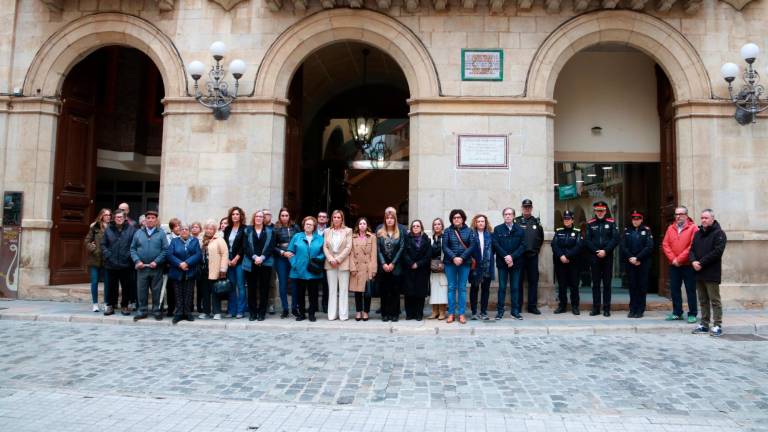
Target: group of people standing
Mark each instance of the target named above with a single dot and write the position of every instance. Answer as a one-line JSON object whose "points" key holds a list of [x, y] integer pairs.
{"points": [[236, 260]]}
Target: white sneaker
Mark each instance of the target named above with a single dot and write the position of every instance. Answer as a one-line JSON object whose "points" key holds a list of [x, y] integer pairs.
{"points": [[96, 307], [239, 316], [217, 316], [202, 316]]}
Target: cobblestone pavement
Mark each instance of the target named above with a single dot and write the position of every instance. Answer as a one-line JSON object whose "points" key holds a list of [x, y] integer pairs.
{"points": [[76, 376]]}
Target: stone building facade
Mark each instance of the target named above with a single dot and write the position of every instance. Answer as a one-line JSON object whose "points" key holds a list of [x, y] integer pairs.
{"points": [[718, 163]]}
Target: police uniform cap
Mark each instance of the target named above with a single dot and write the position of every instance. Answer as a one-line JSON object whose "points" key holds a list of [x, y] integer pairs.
{"points": [[600, 205], [527, 203], [567, 214], [636, 214]]}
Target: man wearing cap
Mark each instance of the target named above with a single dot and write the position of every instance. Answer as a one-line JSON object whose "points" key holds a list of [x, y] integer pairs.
{"points": [[566, 247], [600, 240], [636, 249], [148, 250], [534, 238]]}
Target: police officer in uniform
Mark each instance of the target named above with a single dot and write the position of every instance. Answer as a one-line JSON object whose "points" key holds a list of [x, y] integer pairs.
{"points": [[601, 239], [636, 250], [566, 247], [534, 238]]}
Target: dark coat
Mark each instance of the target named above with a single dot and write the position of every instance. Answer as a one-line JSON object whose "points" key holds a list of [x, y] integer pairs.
{"points": [[602, 234], [638, 243], [416, 280], [453, 248], [236, 247], [437, 247], [534, 234], [707, 248], [178, 254], [508, 242], [93, 245], [484, 258], [250, 247], [567, 241], [116, 246], [396, 257]]}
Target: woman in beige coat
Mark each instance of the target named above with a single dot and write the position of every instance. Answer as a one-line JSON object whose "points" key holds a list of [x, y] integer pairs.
{"points": [[362, 267], [214, 264], [337, 244]]}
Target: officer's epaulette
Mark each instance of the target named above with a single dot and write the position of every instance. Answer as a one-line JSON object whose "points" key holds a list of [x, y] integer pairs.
{"points": [[609, 220], [560, 229], [577, 229], [591, 220]]}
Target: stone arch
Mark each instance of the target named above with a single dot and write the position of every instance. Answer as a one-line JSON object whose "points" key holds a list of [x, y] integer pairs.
{"points": [[65, 48], [660, 41], [326, 27]]}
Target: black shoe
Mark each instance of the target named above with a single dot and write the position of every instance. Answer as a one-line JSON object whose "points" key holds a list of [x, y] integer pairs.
{"points": [[639, 315], [190, 317], [358, 318], [575, 310], [169, 314], [594, 312], [260, 317], [517, 316], [176, 319], [631, 315], [312, 317], [534, 310], [159, 316], [284, 315], [385, 318], [560, 309], [301, 318], [606, 313], [252, 317], [499, 317], [109, 311], [394, 318], [140, 317]]}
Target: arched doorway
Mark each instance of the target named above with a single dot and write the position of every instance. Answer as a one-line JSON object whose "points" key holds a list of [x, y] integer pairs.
{"points": [[332, 84], [108, 146]]}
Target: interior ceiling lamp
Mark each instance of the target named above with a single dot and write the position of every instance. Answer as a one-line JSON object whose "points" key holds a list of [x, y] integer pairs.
{"points": [[748, 100], [218, 97], [362, 125]]}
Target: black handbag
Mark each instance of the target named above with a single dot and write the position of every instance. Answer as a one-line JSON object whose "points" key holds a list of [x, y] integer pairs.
{"points": [[314, 265], [222, 286]]}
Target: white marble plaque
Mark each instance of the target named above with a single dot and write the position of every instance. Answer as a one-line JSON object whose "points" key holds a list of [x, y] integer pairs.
{"points": [[482, 151]]}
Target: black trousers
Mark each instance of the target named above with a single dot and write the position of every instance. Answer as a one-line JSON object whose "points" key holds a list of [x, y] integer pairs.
{"points": [[567, 280], [170, 294], [117, 279], [198, 298], [304, 287], [602, 273], [414, 307], [389, 288], [484, 288], [638, 286], [362, 302], [529, 273], [324, 287], [259, 281], [204, 294], [184, 293]]}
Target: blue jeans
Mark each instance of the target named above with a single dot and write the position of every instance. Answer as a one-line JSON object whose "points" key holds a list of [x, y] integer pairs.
{"points": [[283, 269], [237, 300], [95, 272], [457, 283], [677, 277], [513, 277]]}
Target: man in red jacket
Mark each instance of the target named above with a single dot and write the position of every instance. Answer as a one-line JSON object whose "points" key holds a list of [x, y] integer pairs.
{"points": [[677, 245]]}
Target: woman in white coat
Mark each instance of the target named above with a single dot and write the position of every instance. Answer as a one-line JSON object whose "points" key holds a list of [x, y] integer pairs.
{"points": [[337, 244]]}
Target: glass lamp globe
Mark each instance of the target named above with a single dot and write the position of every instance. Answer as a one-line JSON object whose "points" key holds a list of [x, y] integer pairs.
{"points": [[196, 69], [729, 71], [237, 68], [218, 50], [749, 52]]}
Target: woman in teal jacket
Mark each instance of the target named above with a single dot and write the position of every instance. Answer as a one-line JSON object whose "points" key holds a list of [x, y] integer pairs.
{"points": [[307, 266]]}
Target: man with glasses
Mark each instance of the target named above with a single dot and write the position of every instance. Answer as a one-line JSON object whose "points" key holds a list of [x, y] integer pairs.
{"points": [[601, 239], [677, 246]]}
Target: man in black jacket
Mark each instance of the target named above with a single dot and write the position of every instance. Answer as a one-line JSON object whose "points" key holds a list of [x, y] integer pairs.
{"points": [[636, 250], [566, 247], [600, 240], [116, 252], [706, 257], [534, 238]]}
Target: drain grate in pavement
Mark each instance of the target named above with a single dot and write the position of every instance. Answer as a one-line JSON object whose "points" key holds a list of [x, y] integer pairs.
{"points": [[744, 337]]}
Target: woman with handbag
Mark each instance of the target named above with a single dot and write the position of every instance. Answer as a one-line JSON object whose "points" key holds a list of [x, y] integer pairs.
{"points": [[481, 277], [216, 263], [438, 284], [307, 266], [459, 244], [416, 270], [337, 246], [362, 267], [95, 263], [391, 242]]}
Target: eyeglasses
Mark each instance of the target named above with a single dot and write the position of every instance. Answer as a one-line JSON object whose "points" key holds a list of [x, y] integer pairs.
{"points": [[681, 214]]}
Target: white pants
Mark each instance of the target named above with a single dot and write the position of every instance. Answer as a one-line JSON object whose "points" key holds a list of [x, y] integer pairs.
{"points": [[338, 294]]}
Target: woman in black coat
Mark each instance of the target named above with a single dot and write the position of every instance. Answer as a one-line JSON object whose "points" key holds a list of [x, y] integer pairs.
{"points": [[416, 258]]}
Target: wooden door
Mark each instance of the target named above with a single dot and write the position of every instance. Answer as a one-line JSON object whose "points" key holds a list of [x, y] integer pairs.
{"points": [[74, 174], [665, 100]]}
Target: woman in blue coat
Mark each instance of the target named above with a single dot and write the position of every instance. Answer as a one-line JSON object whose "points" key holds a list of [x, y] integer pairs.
{"points": [[307, 262], [481, 277], [459, 244], [184, 255]]}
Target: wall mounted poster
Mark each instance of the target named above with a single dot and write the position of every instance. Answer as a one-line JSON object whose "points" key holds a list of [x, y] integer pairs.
{"points": [[482, 151], [482, 65]]}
